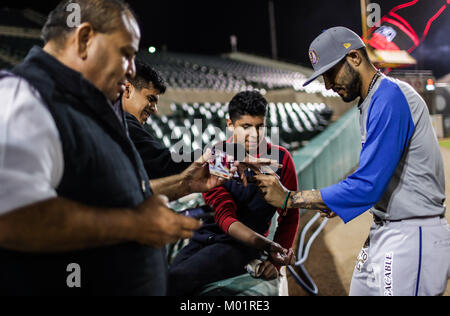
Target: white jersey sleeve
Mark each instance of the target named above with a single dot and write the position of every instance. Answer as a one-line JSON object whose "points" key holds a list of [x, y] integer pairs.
{"points": [[31, 157]]}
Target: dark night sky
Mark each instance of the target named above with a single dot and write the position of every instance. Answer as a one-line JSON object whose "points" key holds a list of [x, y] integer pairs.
{"points": [[205, 26]]}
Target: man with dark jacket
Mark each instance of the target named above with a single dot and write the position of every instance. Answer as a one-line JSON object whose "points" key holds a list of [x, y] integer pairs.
{"points": [[167, 177], [77, 215], [140, 101]]}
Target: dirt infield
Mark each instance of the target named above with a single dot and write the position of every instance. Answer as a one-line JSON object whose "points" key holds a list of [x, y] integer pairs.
{"points": [[332, 256]]}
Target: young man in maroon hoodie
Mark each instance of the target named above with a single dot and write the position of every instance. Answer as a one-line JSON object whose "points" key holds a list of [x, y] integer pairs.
{"points": [[238, 234]]}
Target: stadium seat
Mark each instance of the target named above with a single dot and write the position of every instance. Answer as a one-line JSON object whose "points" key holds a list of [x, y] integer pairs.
{"points": [[288, 124], [197, 72]]}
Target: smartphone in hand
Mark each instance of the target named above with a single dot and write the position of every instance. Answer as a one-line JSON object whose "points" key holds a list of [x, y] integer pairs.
{"points": [[202, 212]]}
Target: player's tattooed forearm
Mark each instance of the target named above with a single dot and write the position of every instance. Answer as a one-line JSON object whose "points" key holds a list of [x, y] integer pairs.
{"points": [[296, 199], [311, 200]]}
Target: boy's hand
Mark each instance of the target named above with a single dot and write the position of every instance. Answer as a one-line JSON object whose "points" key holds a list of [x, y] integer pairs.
{"points": [[280, 256], [267, 271]]}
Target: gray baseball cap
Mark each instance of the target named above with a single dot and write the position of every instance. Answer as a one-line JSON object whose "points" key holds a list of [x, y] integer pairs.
{"points": [[331, 47]]}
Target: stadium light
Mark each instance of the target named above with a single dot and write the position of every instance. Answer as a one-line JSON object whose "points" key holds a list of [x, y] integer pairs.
{"points": [[152, 49]]}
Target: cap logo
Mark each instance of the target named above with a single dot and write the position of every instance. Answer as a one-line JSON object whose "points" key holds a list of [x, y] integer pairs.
{"points": [[347, 45], [314, 57]]}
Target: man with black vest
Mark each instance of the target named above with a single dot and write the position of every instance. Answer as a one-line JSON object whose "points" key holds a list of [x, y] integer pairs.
{"points": [[74, 191]]}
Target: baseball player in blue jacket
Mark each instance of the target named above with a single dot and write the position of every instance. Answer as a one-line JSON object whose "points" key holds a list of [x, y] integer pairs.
{"points": [[400, 178]]}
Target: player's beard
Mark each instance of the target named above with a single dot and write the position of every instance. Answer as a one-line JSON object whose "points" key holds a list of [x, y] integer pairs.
{"points": [[353, 87]]}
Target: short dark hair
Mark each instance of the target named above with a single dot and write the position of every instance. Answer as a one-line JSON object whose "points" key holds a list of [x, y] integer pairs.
{"points": [[105, 16], [247, 103], [146, 74]]}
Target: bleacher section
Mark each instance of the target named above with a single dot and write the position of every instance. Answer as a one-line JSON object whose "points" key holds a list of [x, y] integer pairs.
{"points": [[17, 47], [291, 121], [201, 72], [25, 19], [19, 31], [5, 64], [199, 124]]}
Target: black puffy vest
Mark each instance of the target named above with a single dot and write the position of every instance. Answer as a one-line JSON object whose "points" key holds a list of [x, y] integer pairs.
{"points": [[101, 169]]}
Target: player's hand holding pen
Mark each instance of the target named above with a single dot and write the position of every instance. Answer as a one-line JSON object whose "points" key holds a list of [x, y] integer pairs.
{"points": [[271, 188], [259, 166], [277, 195]]}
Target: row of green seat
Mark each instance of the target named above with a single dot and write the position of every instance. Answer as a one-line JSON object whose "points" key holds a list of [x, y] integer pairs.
{"points": [[219, 73], [198, 124]]}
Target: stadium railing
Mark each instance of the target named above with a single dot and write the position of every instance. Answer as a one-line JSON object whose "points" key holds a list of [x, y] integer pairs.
{"points": [[327, 159]]}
